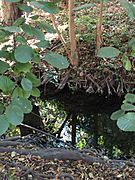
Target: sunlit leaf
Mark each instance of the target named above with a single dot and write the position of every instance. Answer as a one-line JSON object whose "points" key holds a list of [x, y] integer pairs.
{"points": [[127, 122], [108, 52]]}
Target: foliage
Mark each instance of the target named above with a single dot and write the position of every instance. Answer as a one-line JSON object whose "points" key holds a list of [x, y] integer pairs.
{"points": [[18, 83], [126, 115]]}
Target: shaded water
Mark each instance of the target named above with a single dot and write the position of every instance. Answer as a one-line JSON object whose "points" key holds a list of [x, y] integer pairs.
{"points": [[91, 113]]}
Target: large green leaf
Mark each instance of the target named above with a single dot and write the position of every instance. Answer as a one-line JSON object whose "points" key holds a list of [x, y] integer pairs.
{"points": [[19, 21], [14, 114], [46, 6], [129, 7], [19, 92], [11, 29], [23, 53], [32, 31], [3, 67], [26, 84], [6, 84], [23, 103], [128, 107], [4, 124], [35, 92], [130, 98], [117, 114], [46, 26], [56, 60], [23, 67], [33, 78], [25, 8], [108, 52], [127, 122], [126, 62], [42, 44]]}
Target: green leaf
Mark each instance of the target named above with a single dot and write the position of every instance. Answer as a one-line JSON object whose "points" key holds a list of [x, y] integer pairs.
{"points": [[3, 35], [4, 54], [6, 85], [35, 81], [26, 84], [108, 52], [130, 98], [127, 122], [23, 67], [126, 62], [19, 92], [35, 92], [36, 58], [129, 7], [32, 31], [19, 21], [117, 114], [14, 114], [23, 53], [21, 39], [3, 67], [46, 6], [56, 60], [23, 103], [128, 107], [2, 108], [47, 27], [11, 29], [128, 65], [4, 124], [25, 8], [43, 44]]}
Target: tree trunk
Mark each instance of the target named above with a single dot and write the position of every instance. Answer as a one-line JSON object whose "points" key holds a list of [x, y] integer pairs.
{"points": [[9, 12]]}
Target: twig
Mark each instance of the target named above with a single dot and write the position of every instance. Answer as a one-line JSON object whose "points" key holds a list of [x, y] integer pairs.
{"points": [[48, 134]]}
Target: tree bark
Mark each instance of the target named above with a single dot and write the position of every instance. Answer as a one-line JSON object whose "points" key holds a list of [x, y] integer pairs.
{"points": [[9, 12]]}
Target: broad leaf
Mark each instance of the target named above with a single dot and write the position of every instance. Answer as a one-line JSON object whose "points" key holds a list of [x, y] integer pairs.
{"points": [[3, 67], [32, 77], [6, 84], [4, 124], [19, 92], [23, 53], [117, 114], [14, 114], [128, 107], [23, 103], [130, 98], [32, 31], [57, 60], [11, 29], [23, 67], [129, 7], [35, 92], [46, 6], [127, 122], [26, 84], [108, 52]]}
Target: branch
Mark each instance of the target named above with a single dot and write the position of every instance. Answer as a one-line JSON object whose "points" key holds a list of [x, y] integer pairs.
{"points": [[73, 48]]}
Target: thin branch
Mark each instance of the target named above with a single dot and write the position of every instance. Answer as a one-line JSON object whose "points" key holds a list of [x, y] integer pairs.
{"points": [[73, 48], [48, 134], [99, 28]]}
